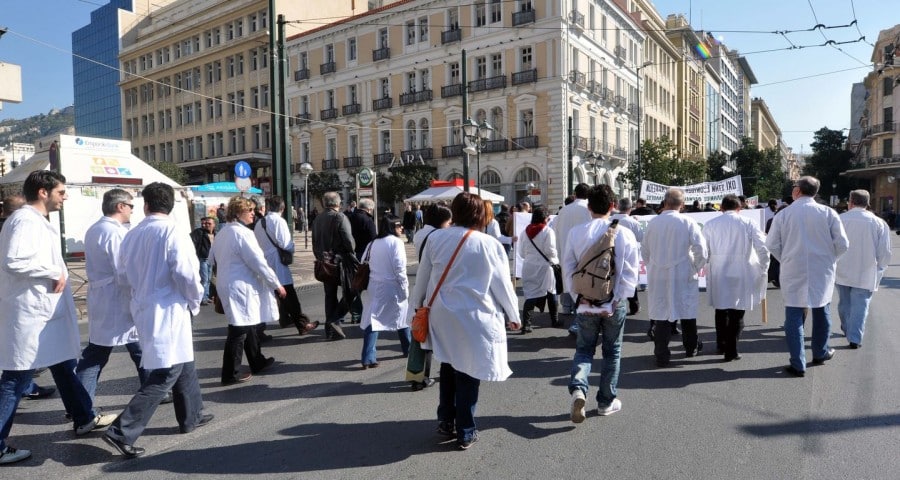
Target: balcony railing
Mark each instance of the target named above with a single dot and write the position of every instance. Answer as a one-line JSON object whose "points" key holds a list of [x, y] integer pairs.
{"points": [[608, 95], [525, 76], [327, 67], [384, 158], [876, 129], [621, 102], [351, 109], [425, 153], [302, 74], [350, 162], [620, 52], [415, 97], [490, 83], [330, 164], [634, 110], [576, 77], [576, 18], [490, 146], [594, 87], [581, 143], [382, 103], [525, 142], [452, 151], [328, 114], [524, 17], [450, 36], [875, 161], [454, 90], [302, 118], [620, 152], [382, 53]]}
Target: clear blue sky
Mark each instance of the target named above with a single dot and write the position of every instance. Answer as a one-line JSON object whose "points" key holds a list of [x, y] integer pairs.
{"points": [[797, 84]]}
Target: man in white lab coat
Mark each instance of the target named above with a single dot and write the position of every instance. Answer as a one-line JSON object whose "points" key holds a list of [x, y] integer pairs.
{"points": [[736, 273], [626, 220], [159, 267], [674, 251], [110, 324], [807, 238], [570, 216], [39, 325], [859, 271]]}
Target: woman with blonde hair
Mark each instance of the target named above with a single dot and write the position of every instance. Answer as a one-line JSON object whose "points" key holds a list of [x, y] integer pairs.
{"points": [[245, 283]]}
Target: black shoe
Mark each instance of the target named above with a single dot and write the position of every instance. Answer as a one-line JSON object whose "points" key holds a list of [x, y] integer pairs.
{"points": [[242, 378], [446, 429], [269, 362], [633, 306], [854, 346], [650, 333], [125, 449], [465, 444], [661, 364], [527, 329], [304, 329], [264, 337], [167, 399], [731, 359], [204, 419], [337, 333], [828, 356], [40, 392], [793, 371]]}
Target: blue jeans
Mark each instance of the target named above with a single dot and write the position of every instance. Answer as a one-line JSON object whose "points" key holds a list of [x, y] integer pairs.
{"points": [[794, 318], [205, 274], [590, 330], [94, 358], [458, 399], [853, 308], [370, 338]]}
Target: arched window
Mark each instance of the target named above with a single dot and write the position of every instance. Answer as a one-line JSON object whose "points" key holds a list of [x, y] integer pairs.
{"points": [[453, 176], [411, 135], [424, 134], [525, 177], [490, 181]]}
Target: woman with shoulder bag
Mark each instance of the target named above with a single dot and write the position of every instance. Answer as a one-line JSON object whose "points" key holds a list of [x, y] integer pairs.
{"points": [[388, 289], [538, 280]]}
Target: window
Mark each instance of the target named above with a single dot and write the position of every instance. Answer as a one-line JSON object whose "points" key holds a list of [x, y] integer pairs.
{"points": [[304, 152], [210, 108], [496, 11], [240, 101], [304, 60], [887, 148], [331, 149], [239, 27], [264, 96], [329, 99], [497, 64], [304, 104], [229, 32], [266, 136], [239, 63], [217, 70], [525, 57], [410, 32], [411, 82], [329, 53], [253, 21], [411, 135], [423, 29], [888, 85], [424, 135], [353, 146], [232, 106], [229, 70], [385, 141], [383, 38], [454, 73], [453, 19], [480, 68], [351, 49], [497, 123], [385, 87], [480, 15], [455, 132], [351, 95]]}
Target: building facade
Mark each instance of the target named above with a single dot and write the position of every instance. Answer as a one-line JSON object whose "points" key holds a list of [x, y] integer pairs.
{"points": [[764, 132]]}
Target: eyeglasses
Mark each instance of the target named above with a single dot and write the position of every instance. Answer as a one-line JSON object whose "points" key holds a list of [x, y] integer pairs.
{"points": [[397, 225], [128, 205]]}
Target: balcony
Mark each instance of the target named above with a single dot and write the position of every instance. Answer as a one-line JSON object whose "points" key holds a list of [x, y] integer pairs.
{"points": [[382, 103], [328, 114], [330, 164], [382, 53], [876, 161], [620, 152], [452, 151], [454, 90], [302, 74], [351, 109], [634, 110], [415, 97], [351, 162], [620, 103], [450, 36], [490, 83], [302, 118], [491, 146], [525, 76], [576, 18], [384, 158], [620, 52], [880, 128], [423, 153], [521, 143], [327, 67], [581, 143], [594, 87], [523, 17], [608, 95]]}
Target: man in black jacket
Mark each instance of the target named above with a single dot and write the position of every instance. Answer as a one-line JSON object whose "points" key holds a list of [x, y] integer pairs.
{"points": [[203, 238], [332, 234], [362, 226]]}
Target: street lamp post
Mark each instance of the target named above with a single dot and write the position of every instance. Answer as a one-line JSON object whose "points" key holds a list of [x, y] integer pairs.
{"points": [[640, 114], [476, 135], [305, 170]]}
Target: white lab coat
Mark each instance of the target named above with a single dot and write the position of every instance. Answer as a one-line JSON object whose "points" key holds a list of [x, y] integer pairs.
{"points": [[108, 303], [631, 224], [674, 251], [736, 275], [467, 327], [419, 238], [869, 253], [493, 229], [537, 276], [807, 238], [570, 216], [244, 281], [279, 231], [386, 306], [627, 255], [38, 328], [160, 267]]}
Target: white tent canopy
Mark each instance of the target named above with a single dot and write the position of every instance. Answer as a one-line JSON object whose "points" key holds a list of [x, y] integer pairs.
{"points": [[447, 191]]}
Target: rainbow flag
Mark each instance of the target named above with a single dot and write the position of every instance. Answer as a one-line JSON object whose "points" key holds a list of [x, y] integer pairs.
{"points": [[702, 50]]}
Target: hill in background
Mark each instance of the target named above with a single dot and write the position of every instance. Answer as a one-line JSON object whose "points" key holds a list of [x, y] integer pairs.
{"points": [[32, 128]]}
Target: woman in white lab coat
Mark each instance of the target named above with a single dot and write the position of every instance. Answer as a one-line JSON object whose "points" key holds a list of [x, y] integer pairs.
{"points": [[466, 327], [244, 282], [538, 283], [386, 306]]}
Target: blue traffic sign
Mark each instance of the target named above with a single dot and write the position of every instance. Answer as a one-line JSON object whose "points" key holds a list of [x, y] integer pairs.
{"points": [[242, 169]]}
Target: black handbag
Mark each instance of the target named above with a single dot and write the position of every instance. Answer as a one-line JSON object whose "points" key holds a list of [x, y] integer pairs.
{"points": [[286, 257], [555, 267]]}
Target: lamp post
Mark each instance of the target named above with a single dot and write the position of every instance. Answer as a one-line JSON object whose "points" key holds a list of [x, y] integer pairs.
{"points": [[640, 114], [305, 170], [476, 134]]}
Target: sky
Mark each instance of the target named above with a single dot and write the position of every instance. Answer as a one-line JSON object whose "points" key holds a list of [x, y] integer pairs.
{"points": [[805, 88]]}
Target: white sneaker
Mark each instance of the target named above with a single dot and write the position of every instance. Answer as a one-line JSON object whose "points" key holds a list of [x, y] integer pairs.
{"points": [[100, 421], [11, 455], [613, 407], [577, 406]]}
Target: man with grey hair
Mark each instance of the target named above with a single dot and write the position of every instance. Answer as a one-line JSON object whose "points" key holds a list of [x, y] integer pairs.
{"points": [[332, 237], [807, 238], [626, 220], [859, 271], [674, 251]]}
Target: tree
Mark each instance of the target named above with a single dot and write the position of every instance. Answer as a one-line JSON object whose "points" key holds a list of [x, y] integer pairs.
{"points": [[170, 170], [827, 162], [404, 181], [760, 170], [321, 182], [714, 167], [662, 163]]}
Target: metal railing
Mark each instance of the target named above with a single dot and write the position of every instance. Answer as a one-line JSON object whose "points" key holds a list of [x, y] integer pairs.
{"points": [[302, 74], [523, 17], [330, 164], [327, 67], [576, 77], [576, 18], [384, 158], [382, 103], [425, 153], [383, 53], [450, 36], [415, 97], [302, 118], [454, 90], [490, 83], [451, 151], [328, 114], [351, 109], [350, 162], [501, 145], [525, 76], [520, 143]]}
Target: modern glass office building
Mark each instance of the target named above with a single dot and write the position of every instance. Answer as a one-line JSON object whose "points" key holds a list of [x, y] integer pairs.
{"points": [[95, 72]]}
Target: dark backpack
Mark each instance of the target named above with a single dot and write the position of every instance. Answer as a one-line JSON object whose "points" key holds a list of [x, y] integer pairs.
{"points": [[595, 274]]}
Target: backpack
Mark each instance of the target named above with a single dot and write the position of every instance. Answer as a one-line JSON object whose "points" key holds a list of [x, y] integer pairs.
{"points": [[595, 274]]}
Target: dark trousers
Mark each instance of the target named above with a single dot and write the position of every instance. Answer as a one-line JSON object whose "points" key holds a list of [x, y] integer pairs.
{"points": [[729, 325], [662, 333], [94, 357], [458, 399], [531, 303], [332, 305], [289, 309], [181, 379], [241, 340]]}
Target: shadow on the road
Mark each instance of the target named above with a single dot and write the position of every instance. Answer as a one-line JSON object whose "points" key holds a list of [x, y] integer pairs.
{"points": [[823, 426], [396, 441], [889, 282]]}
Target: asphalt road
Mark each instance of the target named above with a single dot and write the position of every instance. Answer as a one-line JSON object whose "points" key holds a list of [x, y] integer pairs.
{"points": [[317, 415]]}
